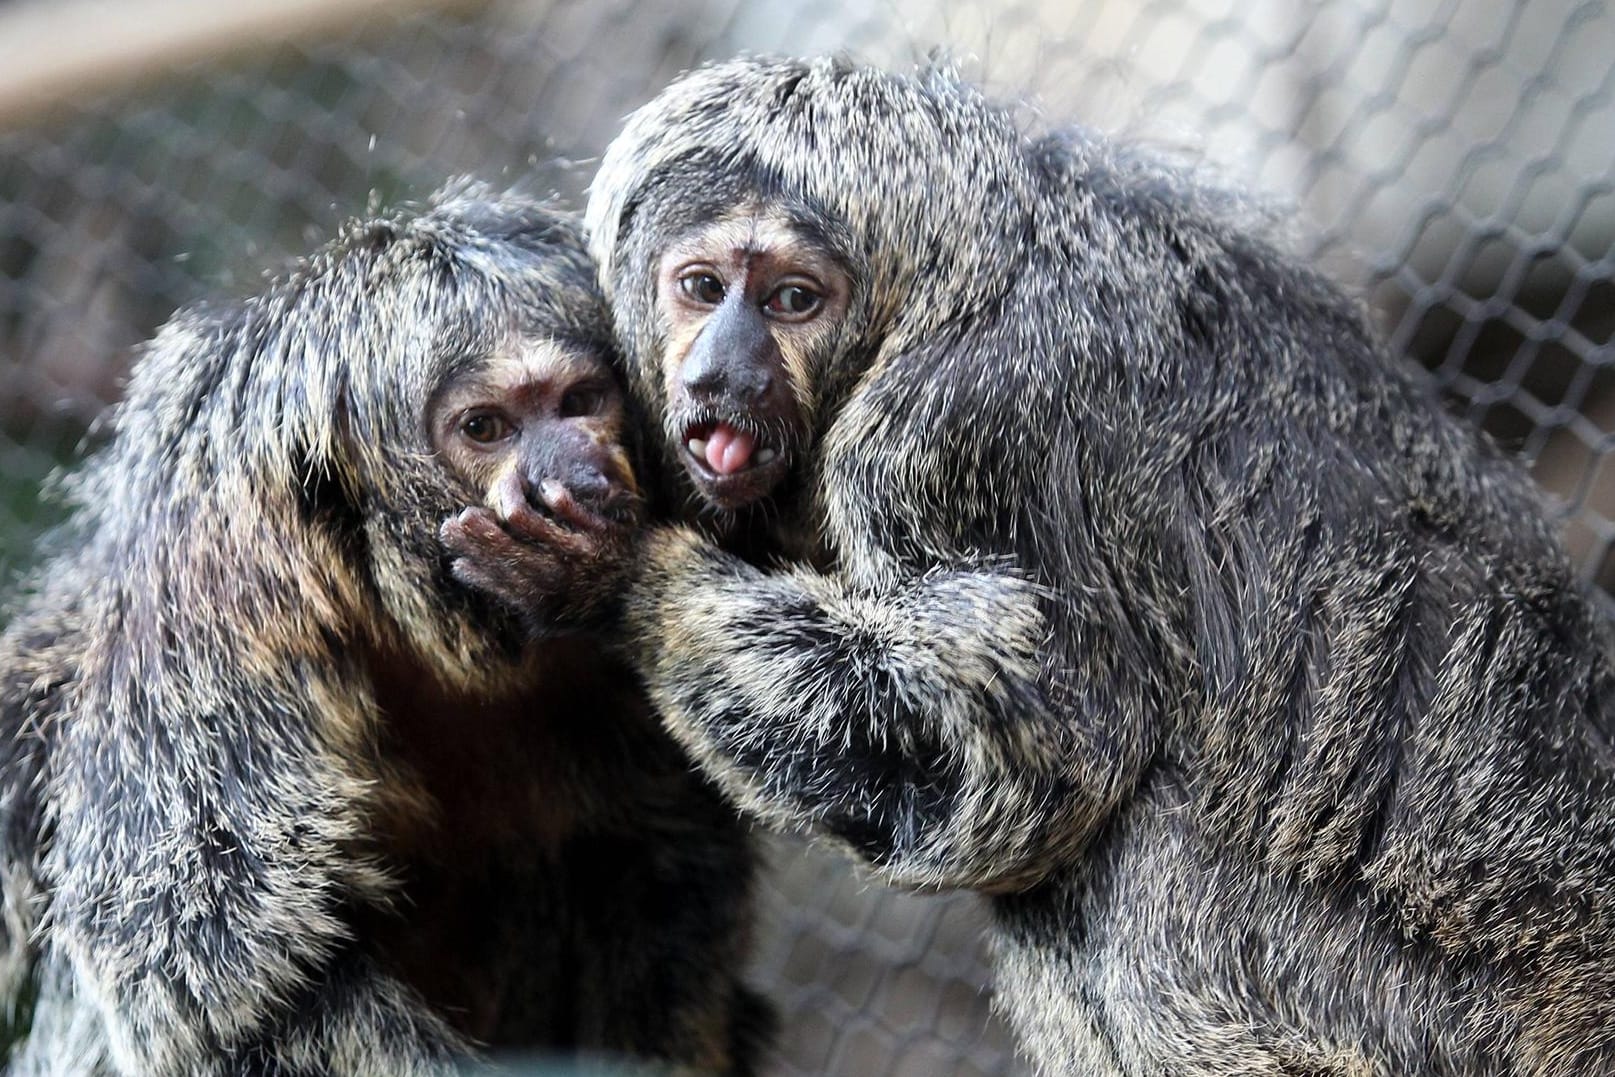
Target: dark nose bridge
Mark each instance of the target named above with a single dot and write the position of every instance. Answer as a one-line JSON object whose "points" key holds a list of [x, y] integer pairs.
{"points": [[732, 356], [565, 452]]}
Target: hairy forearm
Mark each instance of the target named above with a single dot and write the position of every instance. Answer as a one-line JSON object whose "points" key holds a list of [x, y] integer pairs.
{"points": [[353, 1020], [198, 889], [912, 724]]}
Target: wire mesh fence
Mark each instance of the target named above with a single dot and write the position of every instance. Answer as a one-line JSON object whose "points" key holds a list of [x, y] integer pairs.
{"points": [[1455, 162]]}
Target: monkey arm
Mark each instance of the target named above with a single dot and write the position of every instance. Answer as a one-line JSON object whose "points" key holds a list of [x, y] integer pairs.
{"points": [[201, 855], [357, 1020], [912, 724]]}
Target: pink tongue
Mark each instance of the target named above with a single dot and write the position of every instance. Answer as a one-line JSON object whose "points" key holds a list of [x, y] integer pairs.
{"points": [[728, 449]]}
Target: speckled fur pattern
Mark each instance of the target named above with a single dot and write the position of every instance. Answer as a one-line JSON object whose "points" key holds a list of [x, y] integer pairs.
{"points": [[208, 830], [1130, 583]]}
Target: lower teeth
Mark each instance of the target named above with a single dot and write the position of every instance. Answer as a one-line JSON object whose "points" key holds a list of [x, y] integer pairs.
{"points": [[766, 456]]}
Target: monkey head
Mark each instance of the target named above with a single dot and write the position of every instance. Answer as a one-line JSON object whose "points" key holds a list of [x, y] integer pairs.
{"points": [[452, 354], [535, 432], [750, 305], [768, 230]]}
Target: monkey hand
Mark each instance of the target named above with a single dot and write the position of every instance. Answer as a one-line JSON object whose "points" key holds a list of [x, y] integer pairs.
{"points": [[553, 569]]}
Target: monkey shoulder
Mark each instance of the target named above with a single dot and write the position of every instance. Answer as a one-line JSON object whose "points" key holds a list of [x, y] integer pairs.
{"points": [[968, 420]]}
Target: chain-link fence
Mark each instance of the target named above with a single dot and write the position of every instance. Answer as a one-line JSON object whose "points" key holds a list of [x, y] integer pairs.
{"points": [[1455, 161]]}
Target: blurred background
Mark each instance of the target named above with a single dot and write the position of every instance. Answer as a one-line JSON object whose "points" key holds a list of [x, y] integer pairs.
{"points": [[1453, 162]]}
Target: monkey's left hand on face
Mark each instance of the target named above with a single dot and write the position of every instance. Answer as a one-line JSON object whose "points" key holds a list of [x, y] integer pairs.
{"points": [[554, 568]]}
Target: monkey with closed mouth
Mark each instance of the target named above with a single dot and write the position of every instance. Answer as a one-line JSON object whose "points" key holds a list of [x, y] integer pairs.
{"points": [[280, 793]]}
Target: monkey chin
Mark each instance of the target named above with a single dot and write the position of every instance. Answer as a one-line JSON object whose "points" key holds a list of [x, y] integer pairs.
{"points": [[734, 478]]}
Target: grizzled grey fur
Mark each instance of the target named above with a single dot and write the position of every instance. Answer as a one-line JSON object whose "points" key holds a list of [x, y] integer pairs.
{"points": [[278, 795], [1122, 578]]}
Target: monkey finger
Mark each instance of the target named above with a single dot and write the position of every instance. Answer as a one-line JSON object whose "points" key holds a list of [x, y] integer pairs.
{"points": [[474, 530], [475, 517], [535, 526], [567, 507], [518, 580], [508, 493]]}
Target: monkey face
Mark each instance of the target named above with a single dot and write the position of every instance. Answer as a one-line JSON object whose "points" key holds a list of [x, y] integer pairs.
{"points": [[749, 306], [537, 430]]}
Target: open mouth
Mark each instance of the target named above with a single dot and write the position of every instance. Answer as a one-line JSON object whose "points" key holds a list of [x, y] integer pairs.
{"points": [[734, 466], [724, 450]]}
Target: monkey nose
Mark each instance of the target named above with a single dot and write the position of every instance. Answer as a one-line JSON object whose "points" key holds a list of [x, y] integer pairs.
{"points": [[743, 384], [588, 484], [584, 483]]}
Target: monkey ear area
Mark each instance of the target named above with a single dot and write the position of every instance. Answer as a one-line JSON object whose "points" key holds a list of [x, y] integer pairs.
{"points": [[732, 466]]}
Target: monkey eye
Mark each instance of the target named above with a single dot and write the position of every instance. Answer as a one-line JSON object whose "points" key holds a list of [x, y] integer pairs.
{"points": [[702, 287], [485, 427], [793, 301], [581, 401]]}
